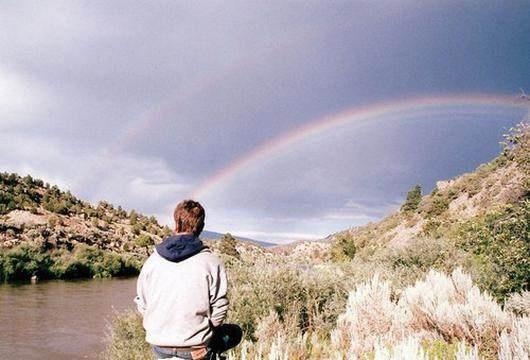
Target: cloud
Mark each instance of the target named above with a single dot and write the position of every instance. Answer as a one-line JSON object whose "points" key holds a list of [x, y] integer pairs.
{"points": [[349, 216], [352, 176], [146, 184], [22, 99], [155, 189], [136, 104]]}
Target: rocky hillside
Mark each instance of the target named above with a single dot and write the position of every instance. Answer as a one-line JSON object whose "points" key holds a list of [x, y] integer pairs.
{"points": [[480, 220], [37, 213], [433, 218], [492, 186]]}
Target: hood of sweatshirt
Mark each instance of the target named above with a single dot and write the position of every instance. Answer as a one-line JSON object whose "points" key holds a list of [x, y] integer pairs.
{"points": [[179, 247]]}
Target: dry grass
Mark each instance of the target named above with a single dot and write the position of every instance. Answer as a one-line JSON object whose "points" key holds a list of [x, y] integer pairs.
{"points": [[519, 303], [447, 311], [440, 316]]}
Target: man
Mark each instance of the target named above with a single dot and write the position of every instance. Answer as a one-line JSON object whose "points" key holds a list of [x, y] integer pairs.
{"points": [[181, 293]]}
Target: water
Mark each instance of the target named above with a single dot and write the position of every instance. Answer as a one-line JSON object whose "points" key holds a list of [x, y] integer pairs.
{"points": [[60, 319]]}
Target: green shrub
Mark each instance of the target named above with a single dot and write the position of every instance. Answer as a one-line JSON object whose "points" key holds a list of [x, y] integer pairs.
{"points": [[24, 261], [423, 254], [413, 199], [304, 299], [343, 248], [144, 241], [227, 245], [437, 204], [500, 244], [137, 228]]}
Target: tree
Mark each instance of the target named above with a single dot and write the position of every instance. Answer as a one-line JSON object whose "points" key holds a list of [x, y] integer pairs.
{"points": [[133, 217], [228, 245], [413, 199], [343, 249], [136, 229], [166, 231], [144, 241], [28, 180]]}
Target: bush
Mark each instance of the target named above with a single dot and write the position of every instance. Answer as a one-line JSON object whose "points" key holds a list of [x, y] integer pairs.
{"points": [[440, 316], [227, 245], [413, 199], [423, 254], [343, 248], [306, 300], [519, 303], [437, 204], [137, 228], [144, 241], [22, 262], [500, 244], [515, 344]]}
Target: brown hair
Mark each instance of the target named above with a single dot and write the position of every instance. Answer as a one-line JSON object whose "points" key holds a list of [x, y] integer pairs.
{"points": [[189, 217]]}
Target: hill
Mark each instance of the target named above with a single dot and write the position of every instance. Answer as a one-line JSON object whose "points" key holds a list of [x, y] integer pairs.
{"points": [[479, 220], [39, 213], [50, 233]]}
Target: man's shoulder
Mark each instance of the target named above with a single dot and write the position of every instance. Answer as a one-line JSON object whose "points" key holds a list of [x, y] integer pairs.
{"points": [[207, 256]]}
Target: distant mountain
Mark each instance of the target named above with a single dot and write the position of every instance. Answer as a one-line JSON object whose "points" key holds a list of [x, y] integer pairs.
{"points": [[212, 235]]}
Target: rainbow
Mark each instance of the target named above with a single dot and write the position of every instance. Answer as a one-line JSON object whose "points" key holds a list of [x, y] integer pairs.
{"points": [[423, 105]]}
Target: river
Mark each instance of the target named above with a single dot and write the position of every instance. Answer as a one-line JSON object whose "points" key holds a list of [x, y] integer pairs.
{"points": [[60, 319]]}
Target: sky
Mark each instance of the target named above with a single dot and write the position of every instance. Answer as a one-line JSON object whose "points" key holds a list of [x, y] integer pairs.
{"points": [[288, 120]]}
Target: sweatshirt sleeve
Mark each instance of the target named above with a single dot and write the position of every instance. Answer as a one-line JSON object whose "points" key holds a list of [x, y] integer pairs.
{"points": [[218, 298], [141, 304]]}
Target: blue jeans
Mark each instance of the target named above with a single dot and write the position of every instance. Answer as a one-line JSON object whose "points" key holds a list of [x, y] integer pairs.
{"points": [[224, 337]]}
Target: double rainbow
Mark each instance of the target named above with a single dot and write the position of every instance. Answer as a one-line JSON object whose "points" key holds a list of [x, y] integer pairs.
{"points": [[395, 109]]}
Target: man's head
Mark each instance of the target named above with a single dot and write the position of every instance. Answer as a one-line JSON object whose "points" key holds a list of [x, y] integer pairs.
{"points": [[189, 217]]}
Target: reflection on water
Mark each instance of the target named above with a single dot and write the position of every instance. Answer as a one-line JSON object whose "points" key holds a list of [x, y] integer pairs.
{"points": [[60, 319]]}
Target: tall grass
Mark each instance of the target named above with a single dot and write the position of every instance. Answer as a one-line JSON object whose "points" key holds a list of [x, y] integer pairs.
{"points": [[439, 316]]}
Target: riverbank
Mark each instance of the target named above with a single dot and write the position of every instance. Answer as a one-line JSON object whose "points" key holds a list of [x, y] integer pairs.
{"points": [[26, 261]]}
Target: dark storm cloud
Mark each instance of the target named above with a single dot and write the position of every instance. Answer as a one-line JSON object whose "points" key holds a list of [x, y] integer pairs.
{"points": [[205, 82], [369, 164]]}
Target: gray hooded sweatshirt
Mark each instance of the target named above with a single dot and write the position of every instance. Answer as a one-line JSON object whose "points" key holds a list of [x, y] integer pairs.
{"points": [[181, 293]]}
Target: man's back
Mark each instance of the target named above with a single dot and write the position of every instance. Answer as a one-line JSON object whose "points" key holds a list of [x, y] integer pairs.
{"points": [[182, 293]]}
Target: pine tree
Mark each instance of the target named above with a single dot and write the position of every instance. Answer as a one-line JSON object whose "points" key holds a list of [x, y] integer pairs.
{"points": [[343, 249], [144, 241], [228, 245], [413, 199], [133, 217]]}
